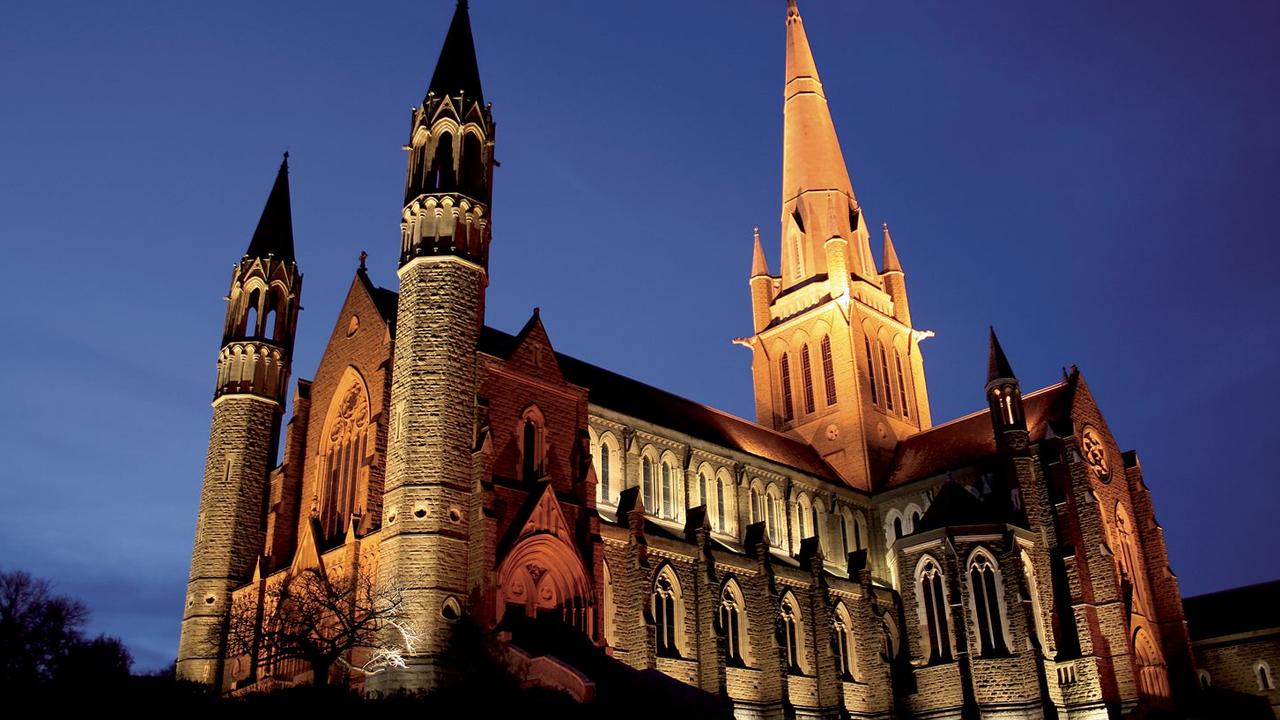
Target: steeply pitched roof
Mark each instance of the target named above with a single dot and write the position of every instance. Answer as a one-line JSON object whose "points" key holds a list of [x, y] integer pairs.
{"points": [[636, 399], [954, 505], [457, 70], [1234, 611], [969, 439], [274, 234]]}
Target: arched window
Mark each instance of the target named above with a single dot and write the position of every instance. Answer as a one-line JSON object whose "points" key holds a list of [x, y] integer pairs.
{"points": [[871, 372], [667, 490], [986, 595], [840, 642], [732, 624], [646, 471], [1153, 676], [1206, 682], [785, 368], [857, 532], [756, 514], [932, 595], [529, 449], [605, 460], [828, 370], [702, 491], [343, 447], [721, 523], [1127, 556], [251, 315], [792, 633], [668, 612], [441, 175], [897, 528], [610, 609], [473, 179], [902, 384], [915, 521], [806, 369], [1266, 681], [1033, 592], [772, 506], [884, 375], [804, 512]]}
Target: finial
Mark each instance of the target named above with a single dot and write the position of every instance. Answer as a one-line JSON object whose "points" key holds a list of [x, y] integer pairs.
{"points": [[755, 232], [537, 311], [792, 10], [363, 256]]}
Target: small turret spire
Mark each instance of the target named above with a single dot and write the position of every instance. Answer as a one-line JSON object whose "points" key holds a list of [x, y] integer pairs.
{"points": [[759, 265], [891, 263], [274, 234], [457, 70], [998, 367]]}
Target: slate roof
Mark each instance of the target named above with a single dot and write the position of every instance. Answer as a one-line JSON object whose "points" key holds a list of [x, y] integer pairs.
{"points": [[959, 443], [1231, 612], [645, 402], [967, 440]]}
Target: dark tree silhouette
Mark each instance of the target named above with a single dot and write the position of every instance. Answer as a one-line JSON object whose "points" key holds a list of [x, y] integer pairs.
{"points": [[42, 641], [320, 618]]}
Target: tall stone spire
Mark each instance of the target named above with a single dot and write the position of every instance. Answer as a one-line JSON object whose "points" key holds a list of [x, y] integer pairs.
{"points": [[274, 234], [817, 196]]}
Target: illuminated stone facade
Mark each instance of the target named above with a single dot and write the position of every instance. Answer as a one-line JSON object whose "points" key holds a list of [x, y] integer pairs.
{"points": [[840, 555]]}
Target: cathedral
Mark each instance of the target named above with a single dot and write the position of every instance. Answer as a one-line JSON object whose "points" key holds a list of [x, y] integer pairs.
{"points": [[841, 555]]}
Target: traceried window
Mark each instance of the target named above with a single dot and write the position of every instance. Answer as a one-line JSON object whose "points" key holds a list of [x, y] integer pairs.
{"points": [[666, 612], [884, 375], [828, 370], [902, 384], [806, 369], [871, 372], [985, 594], [731, 624], [933, 598], [343, 447], [785, 365]]}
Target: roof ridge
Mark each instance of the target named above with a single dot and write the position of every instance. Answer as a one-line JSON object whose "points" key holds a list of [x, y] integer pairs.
{"points": [[983, 411]]}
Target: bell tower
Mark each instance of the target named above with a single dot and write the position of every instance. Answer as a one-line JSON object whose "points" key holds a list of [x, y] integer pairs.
{"points": [[444, 255], [248, 403], [836, 361]]}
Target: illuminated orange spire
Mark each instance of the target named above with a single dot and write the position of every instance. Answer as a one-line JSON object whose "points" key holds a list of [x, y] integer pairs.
{"points": [[817, 197], [890, 263], [759, 265]]}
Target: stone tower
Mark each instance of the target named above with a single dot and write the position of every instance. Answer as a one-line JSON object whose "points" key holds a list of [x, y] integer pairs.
{"points": [[836, 361], [444, 254], [248, 403]]}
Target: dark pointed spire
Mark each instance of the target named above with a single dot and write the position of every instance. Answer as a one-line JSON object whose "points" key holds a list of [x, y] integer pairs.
{"points": [[274, 235], [891, 263], [997, 364], [457, 70]]}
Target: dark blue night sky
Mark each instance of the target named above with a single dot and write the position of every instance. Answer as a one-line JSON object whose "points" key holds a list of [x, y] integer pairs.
{"points": [[1096, 179]]}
